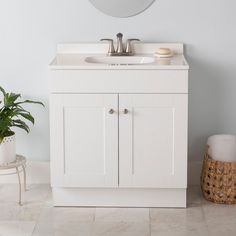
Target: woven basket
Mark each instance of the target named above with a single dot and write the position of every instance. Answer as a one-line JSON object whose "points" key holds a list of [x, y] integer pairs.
{"points": [[218, 181]]}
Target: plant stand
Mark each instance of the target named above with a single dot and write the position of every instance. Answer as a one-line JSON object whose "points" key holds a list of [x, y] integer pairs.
{"points": [[16, 167]]}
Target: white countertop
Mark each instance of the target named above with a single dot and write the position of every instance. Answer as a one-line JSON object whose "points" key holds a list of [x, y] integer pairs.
{"points": [[72, 56], [69, 61]]}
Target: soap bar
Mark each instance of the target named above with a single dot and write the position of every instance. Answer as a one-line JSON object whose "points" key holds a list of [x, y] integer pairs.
{"points": [[164, 51]]}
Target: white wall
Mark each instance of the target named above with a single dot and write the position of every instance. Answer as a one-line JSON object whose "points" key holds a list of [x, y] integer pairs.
{"points": [[30, 30]]}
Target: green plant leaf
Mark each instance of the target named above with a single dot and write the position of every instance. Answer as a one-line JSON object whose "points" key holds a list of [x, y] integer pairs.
{"points": [[21, 124], [1, 138], [22, 127], [18, 110], [12, 112], [3, 91], [13, 97], [27, 117], [10, 99], [4, 124], [29, 101]]}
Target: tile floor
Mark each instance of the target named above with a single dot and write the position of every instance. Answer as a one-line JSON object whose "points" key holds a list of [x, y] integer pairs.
{"points": [[37, 217]]}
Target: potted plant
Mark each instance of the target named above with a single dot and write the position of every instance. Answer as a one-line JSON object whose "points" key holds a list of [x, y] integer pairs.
{"points": [[12, 114]]}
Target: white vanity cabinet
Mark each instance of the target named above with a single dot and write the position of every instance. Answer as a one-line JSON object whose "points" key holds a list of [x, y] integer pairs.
{"points": [[118, 135], [152, 140], [85, 140]]}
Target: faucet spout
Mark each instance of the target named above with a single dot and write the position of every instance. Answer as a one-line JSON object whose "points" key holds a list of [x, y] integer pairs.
{"points": [[119, 49]]}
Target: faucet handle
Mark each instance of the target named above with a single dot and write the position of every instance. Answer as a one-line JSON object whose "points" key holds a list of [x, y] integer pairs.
{"points": [[128, 45], [111, 49]]}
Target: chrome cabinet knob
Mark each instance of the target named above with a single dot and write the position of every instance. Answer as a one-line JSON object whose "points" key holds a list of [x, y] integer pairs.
{"points": [[111, 111], [126, 111]]}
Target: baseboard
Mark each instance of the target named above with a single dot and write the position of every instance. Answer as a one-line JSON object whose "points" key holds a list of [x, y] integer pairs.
{"points": [[38, 172], [119, 197]]}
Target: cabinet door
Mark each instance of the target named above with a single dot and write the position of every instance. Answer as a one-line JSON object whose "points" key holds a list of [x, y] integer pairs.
{"points": [[84, 140], [153, 140]]}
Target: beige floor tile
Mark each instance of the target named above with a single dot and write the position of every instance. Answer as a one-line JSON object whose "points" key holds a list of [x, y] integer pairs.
{"points": [[169, 229], [212, 210], [9, 211], [49, 200], [121, 229], [122, 214], [16, 228], [191, 214], [30, 211], [14, 212], [220, 219], [33, 201], [179, 222], [63, 228], [36, 193], [201, 218], [9, 193], [223, 228], [67, 214]]}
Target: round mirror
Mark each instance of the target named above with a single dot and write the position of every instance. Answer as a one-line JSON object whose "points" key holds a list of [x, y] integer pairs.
{"points": [[122, 8]]}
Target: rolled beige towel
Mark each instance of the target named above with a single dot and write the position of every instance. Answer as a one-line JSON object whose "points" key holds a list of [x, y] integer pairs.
{"points": [[222, 147]]}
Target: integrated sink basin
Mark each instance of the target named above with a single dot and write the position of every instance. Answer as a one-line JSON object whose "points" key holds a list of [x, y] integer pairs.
{"points": [[121, 60]]}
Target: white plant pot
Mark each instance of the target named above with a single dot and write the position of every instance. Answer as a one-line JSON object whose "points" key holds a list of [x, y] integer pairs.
{"points": [[8, 150]]}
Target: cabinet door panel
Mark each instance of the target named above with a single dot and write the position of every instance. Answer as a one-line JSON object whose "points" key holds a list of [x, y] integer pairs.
{"points": [[84, 140], [153, 140]]}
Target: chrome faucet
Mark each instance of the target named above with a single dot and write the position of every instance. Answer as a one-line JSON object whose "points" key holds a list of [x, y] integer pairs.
{"points": [[120, 51]]}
